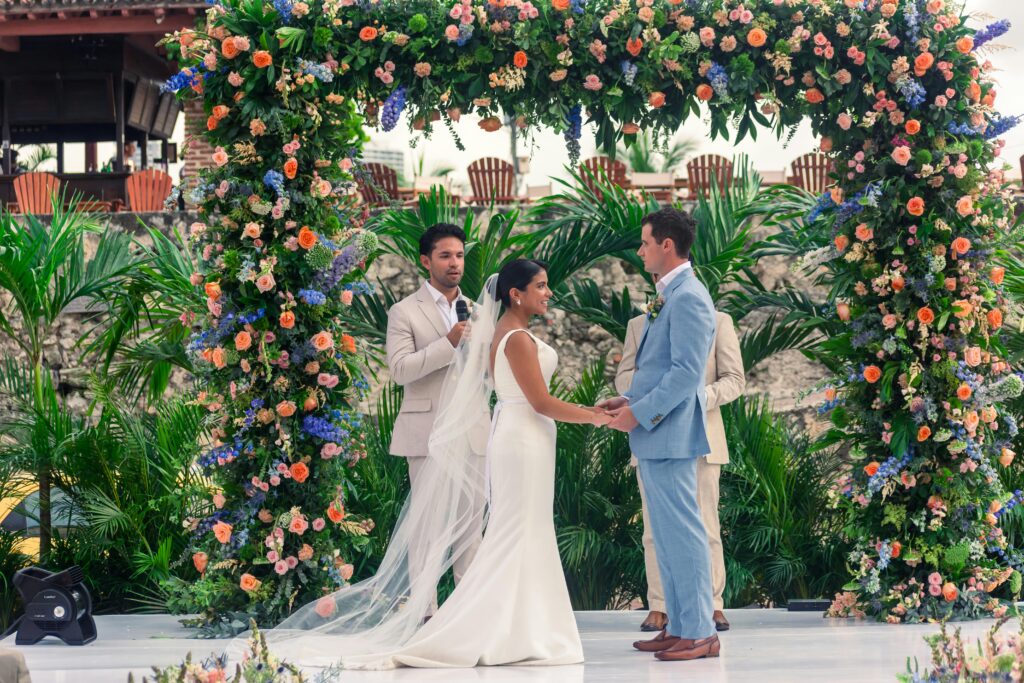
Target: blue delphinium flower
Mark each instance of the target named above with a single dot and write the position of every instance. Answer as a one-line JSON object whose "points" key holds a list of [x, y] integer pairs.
{"points": [[991, 32], [629, 70], [719, 80], [573, 131], [284, 8], [274, 180], [392, 108], [312, 297]]}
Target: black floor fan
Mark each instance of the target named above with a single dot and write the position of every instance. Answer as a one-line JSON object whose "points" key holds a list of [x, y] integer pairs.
{"points": [[56, 604]]}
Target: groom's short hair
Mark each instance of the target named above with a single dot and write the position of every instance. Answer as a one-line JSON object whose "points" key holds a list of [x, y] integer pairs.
{"points": [[670, 223], [437, 232]]}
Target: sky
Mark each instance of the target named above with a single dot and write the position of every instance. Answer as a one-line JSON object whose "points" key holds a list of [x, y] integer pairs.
{"points": [[548, 155]]}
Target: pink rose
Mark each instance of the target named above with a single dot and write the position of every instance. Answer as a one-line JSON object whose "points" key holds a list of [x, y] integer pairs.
{"points": [[281, 567], [901, 155], [291, 561], [273, 556], [965, 206], [346, 571], [707, 36], [845, 121], [298, 525], [972, 356], [265, 282], [592, 82], [889, 321], [329, 450], [219, 500], [319, 524], [451, 32], [325, 606], [220, 157]]}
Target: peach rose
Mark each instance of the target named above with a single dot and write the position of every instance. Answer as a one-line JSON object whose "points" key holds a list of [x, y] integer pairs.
{"points": [[310, 403], [322, 341], [307, 238], [252, 230], [298, 525], [826, 144], [287, 320], [299, 471], [490, 124], [841, 242], [843, 311], [963, 392], [995, 318], [961, 245], [348, 343], [212, 290], [1006, 457], [219, 358], [922, 63], [305, 552], [988, 414], [950, 284], [997, 274], [243, 340], [757, 37], [971, 420], [925, 315], [656, 99], [560, 5], [898, 283], [325, 606], [949, 592], [915, 207], [200, 560], [913, 127], [901, 155], [864, 233], [965, 206], [285, 408], [965, 44], [972, 356], [265, 282], [814, 96], [705, 92], [367, 33], [249, 583], [923, 433], [222, 531], [872, 374], [262, 59], [962, 308]]}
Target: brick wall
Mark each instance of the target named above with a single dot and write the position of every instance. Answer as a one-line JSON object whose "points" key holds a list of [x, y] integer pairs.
{"points": [[197, 150]]}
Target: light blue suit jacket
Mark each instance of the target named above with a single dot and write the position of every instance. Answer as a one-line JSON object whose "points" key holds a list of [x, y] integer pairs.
{"points": [[667, 393]]}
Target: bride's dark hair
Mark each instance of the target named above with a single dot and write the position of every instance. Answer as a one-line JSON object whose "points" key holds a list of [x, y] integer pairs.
{"points": [[516, 274]]}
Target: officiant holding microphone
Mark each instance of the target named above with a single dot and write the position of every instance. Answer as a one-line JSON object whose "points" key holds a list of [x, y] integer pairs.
{"points": [[423, 331]]}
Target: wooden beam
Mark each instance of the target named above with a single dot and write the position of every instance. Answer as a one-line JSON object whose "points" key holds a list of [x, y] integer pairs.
{"points": [[10, 44], [138, 23], [119, 115]]}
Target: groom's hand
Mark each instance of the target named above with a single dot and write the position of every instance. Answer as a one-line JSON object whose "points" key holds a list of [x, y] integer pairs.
{"points": [[623, 419], [616, 403]]}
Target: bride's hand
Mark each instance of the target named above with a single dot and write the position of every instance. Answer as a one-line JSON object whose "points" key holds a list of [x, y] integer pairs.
{"points": [[600, 418]]}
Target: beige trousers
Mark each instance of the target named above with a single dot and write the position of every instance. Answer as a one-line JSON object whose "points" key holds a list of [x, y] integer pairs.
{"points": [[12, 667], [707, 499], [417, 466]]}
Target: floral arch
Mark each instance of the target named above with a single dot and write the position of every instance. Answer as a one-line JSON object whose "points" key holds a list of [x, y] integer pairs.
{"points": [[895, 89]]}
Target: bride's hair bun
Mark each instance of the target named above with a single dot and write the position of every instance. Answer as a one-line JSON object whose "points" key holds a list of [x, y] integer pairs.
{"points": [[516, 274]]}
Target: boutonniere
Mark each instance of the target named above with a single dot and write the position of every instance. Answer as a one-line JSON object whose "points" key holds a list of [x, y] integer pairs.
{"points": [[653, 308]]}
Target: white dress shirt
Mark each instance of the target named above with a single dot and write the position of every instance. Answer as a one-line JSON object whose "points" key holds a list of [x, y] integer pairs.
{"points": [[445, 307], [671, 275]]}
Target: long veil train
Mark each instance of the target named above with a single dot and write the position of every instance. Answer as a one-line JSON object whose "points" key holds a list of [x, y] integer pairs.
{"points": [[436, 526]]}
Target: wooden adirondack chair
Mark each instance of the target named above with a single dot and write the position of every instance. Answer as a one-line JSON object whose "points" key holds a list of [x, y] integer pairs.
{"points": [[148, 190], [491, 179], [378, 184], [660, 186], [706, 169], [35, 192], [810, 172], [604, 169]]}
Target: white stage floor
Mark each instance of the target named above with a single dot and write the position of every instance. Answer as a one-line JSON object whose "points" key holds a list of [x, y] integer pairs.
{"points": [[764, 646]]}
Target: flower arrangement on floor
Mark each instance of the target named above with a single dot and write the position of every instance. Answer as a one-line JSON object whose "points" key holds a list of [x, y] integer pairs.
{"points": [[995, 659], [904, 104]]}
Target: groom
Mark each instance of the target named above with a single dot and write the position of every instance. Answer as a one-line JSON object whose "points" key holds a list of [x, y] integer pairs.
{"points": [[663, 411]]}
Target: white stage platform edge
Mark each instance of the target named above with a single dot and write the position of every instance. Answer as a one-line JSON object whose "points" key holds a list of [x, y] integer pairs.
{"points": [[764, 646]]}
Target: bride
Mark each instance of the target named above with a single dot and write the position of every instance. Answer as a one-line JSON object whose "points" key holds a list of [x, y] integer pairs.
{"points": [[512, 605]]}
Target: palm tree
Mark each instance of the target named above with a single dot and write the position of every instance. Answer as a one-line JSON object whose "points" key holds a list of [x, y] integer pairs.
{"points": [[43, 269], [645, 156], [39, 155]]}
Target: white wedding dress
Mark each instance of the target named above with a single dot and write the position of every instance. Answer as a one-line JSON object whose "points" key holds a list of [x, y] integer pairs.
{"points": [[512, 605]]}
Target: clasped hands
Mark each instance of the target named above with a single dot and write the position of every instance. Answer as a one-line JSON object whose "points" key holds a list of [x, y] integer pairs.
{"points": [[615, 413]]}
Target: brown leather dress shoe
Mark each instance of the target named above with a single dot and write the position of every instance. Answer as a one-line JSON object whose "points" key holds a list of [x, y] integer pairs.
{"points": [[721, 623], [662, 641], [687, 649], [655, 621]]}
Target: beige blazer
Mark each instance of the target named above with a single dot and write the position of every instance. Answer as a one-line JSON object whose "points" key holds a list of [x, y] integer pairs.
{"points": [[418, 357], [725, 377]]}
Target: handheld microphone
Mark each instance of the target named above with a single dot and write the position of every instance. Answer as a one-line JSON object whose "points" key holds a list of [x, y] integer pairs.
{"points": [[461, 310]]}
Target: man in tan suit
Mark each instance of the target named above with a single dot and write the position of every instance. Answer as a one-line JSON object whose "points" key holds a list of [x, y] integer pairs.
{"points": [[725, 382], [423, 331]]}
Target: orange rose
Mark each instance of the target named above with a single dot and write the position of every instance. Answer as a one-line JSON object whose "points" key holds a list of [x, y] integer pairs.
{"points": [[212, 290], [248, 582], [965, 44], [560, 5], [310, 403], [634, 46], [913, 127], [949, 592], [1006, 457], [656, 99], [705, 92], [299, 471], [262, 59], [520, 59], [287, 320], [843, 311], [307, 238], [995, 318], [965, 205], [974, 91], [291, 167], [757, 37], [898, 283], [871, 468], [348, 343], [923, 433], [925, 315], [915, 207], [322, 341], [222, 530], [872, 374], [490, 124], [950, 284], [630, 128], [971, 420], [962, 308], [219, 357], [220, 111], [997, 274], [211, 123], [863, 232], [200, 561], [841, 242], [336, 512], [922, 63], [285, 408], [896, 548], [243, 340], [814, 96], [229, 49], [961, 245], [367, 33]]}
